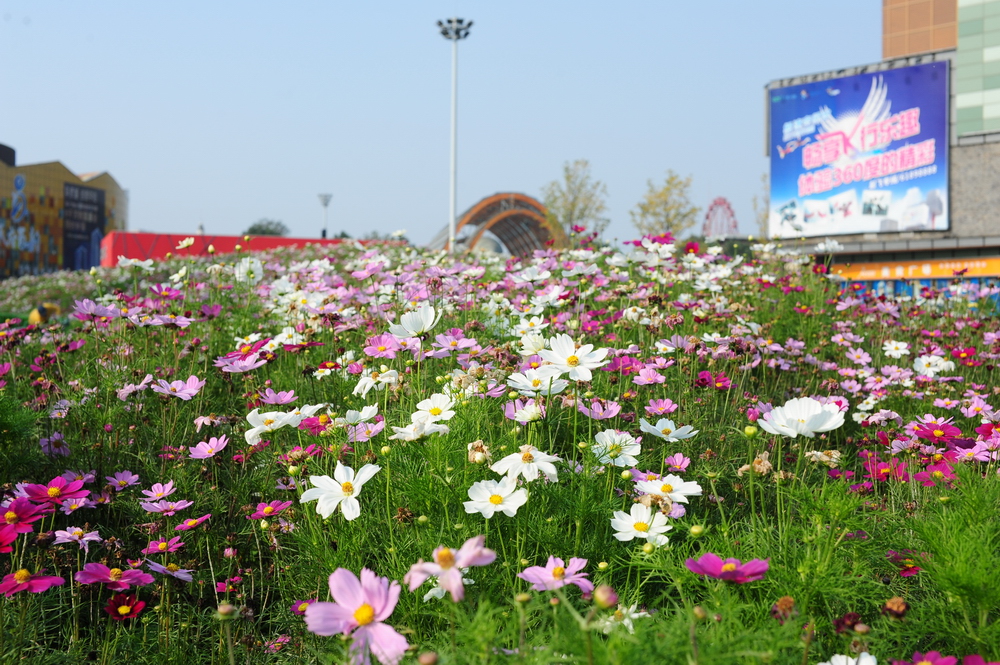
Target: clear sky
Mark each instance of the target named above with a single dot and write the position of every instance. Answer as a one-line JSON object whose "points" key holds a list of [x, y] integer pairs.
{"points": [[222, 113]]}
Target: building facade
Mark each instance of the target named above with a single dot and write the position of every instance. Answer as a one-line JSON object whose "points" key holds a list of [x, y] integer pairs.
{"points": [[966, 35], [53, 219]]}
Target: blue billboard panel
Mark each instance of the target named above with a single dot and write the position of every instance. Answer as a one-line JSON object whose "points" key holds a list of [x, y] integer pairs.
{"points": [[861, 154]]}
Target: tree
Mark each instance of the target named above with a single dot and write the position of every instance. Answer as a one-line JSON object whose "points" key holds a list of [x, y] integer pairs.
{"points": [[762, 207], [267, 227], [577, 199], [666, 208]]}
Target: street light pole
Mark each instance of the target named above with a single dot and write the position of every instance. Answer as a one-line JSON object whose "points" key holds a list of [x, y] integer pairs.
{"points": [[324, 200], [454, 29]]}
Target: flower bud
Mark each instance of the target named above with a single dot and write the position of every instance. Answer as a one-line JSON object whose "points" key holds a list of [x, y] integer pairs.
{"points": [[648, 548], [423, 519], [479, 458], [293, 470], [458, 527], [211, 249], [427, 658], [263, 525], [524, 562], [605, 596], [626, 475], [749, 431], [246, 238], [512, 394], [385, 450], [225, 612], [522, 597], [699, 613], [583, 445], [696, 530], [602, 565], [553, 601], [862, 629]]}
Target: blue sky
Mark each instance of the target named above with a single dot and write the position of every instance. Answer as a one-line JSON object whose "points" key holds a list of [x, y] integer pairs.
{"points": [[221, 113]]}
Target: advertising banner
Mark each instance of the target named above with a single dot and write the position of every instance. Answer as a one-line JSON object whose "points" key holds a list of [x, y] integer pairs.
{"points": [[861, 154], [83, 226]]}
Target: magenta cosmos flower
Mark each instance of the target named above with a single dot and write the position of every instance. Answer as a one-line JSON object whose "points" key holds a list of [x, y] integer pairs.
{"points": [[24, 580], [56, 491], [448, 564], [359, 610], [183, 389], [19, 515], [732, 570], [191, 523], [116, 578], [929, 658], [557, 574], [164, 546], [266, 510]]}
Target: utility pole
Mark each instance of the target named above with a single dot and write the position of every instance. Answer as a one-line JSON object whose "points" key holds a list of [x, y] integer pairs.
{"points": [[324, 200], [454, 29]]}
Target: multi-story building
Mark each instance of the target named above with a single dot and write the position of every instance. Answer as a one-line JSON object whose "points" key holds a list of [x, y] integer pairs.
{"points": [[53, 219], [940, 200]]}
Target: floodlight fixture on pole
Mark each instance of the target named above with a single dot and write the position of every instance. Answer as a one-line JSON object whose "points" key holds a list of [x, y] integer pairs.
{"points": [[454, 29], [324, 199]]}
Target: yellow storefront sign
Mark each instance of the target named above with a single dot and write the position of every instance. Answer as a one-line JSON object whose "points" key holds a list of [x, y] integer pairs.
{"points": [[920, 269]]}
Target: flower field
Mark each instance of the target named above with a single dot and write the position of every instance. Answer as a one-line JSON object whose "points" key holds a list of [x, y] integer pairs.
{"points": [[658, 454]]}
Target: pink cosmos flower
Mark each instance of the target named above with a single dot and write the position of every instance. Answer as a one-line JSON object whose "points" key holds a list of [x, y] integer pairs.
{"points": [[164, 546], [160, 491], [361, 607], [732, 570], [677, 463], [55, 445], [382, 346], [191, 523], [116, 578], [164, 507], [122, 479], [268, 510], [183, 389], [448, 564], [660, 407], [648, 376], [557, 574], [206, 449], [907, 566], [74, 534], [934, 474], [600, 410], [56, 491], [929, 658], [171, 569], [7, 536], [86, 477], [364, 431], [25, 580], [282, 397]]}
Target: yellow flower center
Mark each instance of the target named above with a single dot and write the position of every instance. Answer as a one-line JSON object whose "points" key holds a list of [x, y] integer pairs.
{"points": [[445, 558], [938, 432], [535, 383], [572, 361], [527, 458], [381, 348], [303, 607], [728, 567], [558, 572], [54, 492], [364, 615], [123, 610], [115, 574], [618, 615], [434, 411], [268, 422], [666, 489], [268, 510], [938, 475], [347, 489], [22, 576], [173, 567], [614, 451], [641, 526], [162, 546], [496, 499], [10, 517], [666, 431], [191, 523], [78, 533]]}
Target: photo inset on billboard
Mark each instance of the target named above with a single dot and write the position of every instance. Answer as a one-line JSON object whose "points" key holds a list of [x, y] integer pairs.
{"points": [[861, 154]]}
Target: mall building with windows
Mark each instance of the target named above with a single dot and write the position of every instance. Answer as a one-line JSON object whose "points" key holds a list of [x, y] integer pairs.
{"points": [[896, 162]]}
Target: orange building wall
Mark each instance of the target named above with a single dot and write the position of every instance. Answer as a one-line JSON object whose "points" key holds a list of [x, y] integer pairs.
{"points": [[918, 26]]}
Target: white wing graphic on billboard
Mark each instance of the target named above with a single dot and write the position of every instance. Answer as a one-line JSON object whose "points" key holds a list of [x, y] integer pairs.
{"points": [[850, 124]]}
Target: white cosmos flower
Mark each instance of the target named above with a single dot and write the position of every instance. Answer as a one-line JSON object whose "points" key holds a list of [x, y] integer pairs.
{"points": [[265, 422], [341, 490], [488, 497], [296, 416], [864, 658], [417, 322], [531, 344], [418, 429], [932, 365], [532, 325], [616, 448], [565, 357], [353, 417], [641, 522], [623, 616], [125, 262], [803, 415], [673, 487], [667, 430], [528, 463], [531, 383], [249, 270], [376, 380], [437, 407], [894, 349]]}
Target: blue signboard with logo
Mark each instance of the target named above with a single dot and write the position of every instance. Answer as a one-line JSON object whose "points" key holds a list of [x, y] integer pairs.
{"points": [[861, 154]]}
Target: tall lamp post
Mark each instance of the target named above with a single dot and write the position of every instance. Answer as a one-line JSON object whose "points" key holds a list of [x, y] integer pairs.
{"points": [[324, 200], [454, 29]]}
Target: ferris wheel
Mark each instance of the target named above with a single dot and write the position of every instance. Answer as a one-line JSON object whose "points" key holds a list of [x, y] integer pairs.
{"points": [[720, 220]]}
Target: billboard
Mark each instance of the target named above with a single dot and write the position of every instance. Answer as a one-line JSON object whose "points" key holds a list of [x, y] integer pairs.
{"points": [[83, 226], [861, 154]]}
